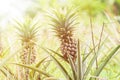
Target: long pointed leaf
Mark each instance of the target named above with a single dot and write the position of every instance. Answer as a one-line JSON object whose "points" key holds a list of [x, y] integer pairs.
{"points": [[57, 54], [59, 65], [90, 65], [38, 65], [73, 67], [35, 69], [61, 68], [79, 63], [98, 71]]}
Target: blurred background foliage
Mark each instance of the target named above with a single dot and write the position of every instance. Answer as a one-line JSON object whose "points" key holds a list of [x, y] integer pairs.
{"points": [[90, 7]]}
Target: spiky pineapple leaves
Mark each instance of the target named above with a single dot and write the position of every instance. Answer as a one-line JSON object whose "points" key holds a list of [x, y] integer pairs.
{"points": [[76, 68], [34, 68], [63, 18], [4, 69], [27, 30], [60, 66], [99, 70], [56, 53], [32, 73], [7, 72]]}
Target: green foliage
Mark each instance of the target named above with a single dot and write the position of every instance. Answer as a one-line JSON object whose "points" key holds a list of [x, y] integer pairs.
{"points": [[91, 7], [27, 30], [96, 55], [77, 70]]}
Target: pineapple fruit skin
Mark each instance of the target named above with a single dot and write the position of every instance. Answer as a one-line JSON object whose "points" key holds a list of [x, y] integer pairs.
{"points": [[69, 47], [28, 53]]}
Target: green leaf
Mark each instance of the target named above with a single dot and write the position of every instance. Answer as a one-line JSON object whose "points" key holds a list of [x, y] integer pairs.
{"points": [[40, 62], [18, 23], [35, 69], [88, 54], [90, 65], [98, 71], [5, 60], [79, 63], [73, 67], [3, 72], [38, 65], [57, 54], [92, 60], [61, 68]]}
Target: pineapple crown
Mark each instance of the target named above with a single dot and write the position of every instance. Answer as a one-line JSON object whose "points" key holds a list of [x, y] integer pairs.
{"points": [[27, 31], [63, 22]]}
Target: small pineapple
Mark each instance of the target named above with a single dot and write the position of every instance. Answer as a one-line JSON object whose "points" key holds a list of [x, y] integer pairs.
{"points": [[63, 22], [27, 33]]}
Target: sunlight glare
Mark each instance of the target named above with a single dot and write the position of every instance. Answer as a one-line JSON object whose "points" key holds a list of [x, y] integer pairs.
{"points": [[12, 8]]}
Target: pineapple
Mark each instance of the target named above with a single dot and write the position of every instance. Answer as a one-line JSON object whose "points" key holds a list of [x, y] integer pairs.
{"points": [[27, 33], [28, 36], [63, 22]]}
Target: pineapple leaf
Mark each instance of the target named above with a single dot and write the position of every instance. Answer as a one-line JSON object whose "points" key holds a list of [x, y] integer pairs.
{"points": [[63, 70], [79, 63], [98, 71], [56, 53], [18, 23], [38, 65], [40, 62], [3, 72], [73, 67], [27, 31], [90, 65], [54, 20], [89, 54], [35, 69]]}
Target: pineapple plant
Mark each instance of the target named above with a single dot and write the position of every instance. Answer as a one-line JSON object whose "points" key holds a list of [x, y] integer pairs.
{"points": [[27, 32], [63, 22]]}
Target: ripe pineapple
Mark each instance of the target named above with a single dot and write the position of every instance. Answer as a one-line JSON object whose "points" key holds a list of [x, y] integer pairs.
{"points": [[63, 22]]}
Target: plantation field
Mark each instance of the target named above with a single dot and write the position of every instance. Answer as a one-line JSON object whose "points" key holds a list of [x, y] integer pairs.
{"points": [[59, 40]]}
